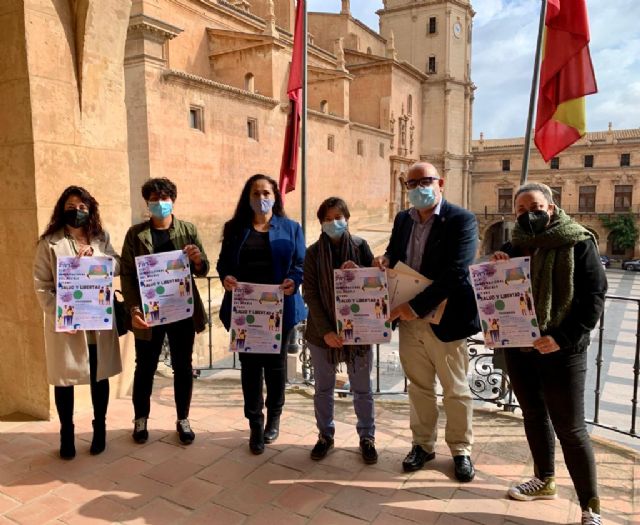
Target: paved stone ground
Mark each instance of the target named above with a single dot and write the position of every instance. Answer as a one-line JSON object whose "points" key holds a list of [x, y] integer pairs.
{"points": [[216, 480]]}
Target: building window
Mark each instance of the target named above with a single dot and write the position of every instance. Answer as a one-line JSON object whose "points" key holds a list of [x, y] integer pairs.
{"points": [[196, 120], [506, 165], [622, 198], [331, 143], [433, 25], [587, 199], [249, 83], [555, 163], [588, 161], [409, 105], [381, 150], [556, 193], [625, 159], [431, 66], [324, 106], [360, 147], [252, 128], [369, 51], [505, 200]]}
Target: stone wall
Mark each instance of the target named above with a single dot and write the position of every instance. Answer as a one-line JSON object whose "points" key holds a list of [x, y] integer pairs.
{"points": [[66, 124]]}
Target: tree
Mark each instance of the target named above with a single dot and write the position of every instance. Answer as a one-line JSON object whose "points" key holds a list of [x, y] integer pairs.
{"points": [[624, 232]]}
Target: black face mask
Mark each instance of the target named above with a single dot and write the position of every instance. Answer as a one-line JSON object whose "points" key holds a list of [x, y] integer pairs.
{"points": [[76, 218], [533, 222]]}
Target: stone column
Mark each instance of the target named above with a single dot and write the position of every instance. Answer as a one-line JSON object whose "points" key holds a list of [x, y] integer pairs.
{"points": [[62, 122]]}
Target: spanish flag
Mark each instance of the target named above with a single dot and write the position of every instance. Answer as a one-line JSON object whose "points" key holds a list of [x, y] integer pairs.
{"points": [[566, 77]]}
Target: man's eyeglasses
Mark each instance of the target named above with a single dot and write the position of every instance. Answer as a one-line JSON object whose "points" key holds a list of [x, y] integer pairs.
{"points": [[424, 182]]}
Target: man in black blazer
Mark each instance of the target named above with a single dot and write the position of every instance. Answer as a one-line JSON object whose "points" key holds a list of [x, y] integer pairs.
{"points": [[439, 240]]}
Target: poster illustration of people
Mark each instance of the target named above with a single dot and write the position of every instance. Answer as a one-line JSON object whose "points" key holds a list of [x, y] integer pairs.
{"points": [[362, 306], [165, 287], [256, 318], [505, 302], [84, 298]]}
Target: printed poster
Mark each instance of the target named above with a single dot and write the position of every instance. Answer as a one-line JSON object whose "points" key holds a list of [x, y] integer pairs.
{"points": [[166, 288], [256, 318], [84, 297], [505, 302], [362, 306]]}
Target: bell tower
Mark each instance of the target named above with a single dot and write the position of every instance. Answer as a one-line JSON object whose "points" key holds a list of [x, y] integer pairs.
{"points": [[435, 37]]}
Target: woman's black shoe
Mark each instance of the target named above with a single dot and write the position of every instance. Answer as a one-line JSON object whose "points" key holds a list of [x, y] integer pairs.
{"points": [[322, 448], [67, 442], [272, 429], [98, 443], [256, 439]]}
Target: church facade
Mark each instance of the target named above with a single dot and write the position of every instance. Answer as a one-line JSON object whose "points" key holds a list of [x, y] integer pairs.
{"points": [[207, 105]]}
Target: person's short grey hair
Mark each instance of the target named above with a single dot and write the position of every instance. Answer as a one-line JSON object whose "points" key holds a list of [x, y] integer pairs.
{"points": [[535, 186]]}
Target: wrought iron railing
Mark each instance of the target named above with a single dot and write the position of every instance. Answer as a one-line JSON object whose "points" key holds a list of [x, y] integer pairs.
{"points": [[488, 379]]}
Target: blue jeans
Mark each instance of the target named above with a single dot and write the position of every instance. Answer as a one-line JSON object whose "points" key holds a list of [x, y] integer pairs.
{"points": [[360, 383]]}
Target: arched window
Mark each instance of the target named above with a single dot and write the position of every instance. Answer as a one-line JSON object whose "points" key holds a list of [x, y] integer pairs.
{"points": [[409, 105], [360, 147], [369, 51], [324, 106], [249, 82]]}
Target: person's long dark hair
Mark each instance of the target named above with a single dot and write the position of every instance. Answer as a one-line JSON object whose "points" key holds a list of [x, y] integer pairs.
{"points": [[243, 216], [93, 228]]}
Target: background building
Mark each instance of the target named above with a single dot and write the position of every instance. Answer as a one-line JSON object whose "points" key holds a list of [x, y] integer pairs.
{"points": [[595, 178]]}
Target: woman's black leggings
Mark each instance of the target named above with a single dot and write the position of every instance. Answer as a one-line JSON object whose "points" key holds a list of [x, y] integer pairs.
{"points": [[99, 394]]}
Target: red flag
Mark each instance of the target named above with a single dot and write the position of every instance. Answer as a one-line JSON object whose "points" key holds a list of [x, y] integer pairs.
{"points": [[289, 167], [566, 77]]}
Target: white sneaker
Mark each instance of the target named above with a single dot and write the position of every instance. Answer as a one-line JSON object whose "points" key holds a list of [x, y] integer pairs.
{"points": [[590, 518]]}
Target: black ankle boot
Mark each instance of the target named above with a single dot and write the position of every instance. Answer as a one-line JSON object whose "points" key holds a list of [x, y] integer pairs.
{"points": [[256, 439], [272, 430], [98, 443], [67, 441]]}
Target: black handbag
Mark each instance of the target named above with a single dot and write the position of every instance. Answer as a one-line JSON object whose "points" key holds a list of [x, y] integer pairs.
{"points": [[121, 316]]}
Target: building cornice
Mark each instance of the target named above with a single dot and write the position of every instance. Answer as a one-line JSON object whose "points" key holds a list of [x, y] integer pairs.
{"points": [[152, 28], [370, 129], [374, 61], [319, 115], [426, 3], [205, 84], [359, 23]]}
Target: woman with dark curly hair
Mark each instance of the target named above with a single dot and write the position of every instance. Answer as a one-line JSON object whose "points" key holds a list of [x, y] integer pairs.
{"points": [[77, 357], [260, 245]]}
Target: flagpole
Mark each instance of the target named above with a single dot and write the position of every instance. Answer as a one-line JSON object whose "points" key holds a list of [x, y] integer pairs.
{"points": [[303, 141], [533, 96]]}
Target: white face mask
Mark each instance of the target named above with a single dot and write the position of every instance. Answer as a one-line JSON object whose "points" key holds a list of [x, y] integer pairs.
{"points": [[335, 229], [262, 206]]}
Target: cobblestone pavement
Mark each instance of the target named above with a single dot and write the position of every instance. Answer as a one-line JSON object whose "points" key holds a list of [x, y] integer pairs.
{"points": [[216, 480]]}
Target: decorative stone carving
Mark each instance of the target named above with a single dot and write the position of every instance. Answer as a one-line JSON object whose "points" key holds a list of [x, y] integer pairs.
{"points": [[338, 50], [391, 47], [270, 27]]}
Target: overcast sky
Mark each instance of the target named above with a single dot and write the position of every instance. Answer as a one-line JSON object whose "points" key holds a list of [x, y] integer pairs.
{"points": [[504, 42]]}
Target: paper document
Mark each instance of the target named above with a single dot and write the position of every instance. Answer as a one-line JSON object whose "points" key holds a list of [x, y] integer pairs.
{"points": [[405, 283]]}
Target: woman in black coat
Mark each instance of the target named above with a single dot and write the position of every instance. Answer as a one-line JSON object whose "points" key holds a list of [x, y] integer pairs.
{"points": [[569, 287]]}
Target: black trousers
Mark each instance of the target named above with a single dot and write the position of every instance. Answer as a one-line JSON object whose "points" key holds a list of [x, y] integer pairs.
{"points": [[181, 336], [550, 389], [64, 395], [259, 369]]}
